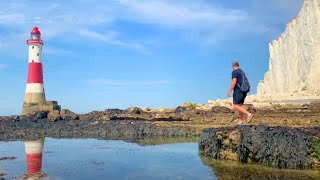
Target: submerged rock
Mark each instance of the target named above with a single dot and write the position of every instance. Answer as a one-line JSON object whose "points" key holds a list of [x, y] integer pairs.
{"points": [[236, 171], [279, 147]]}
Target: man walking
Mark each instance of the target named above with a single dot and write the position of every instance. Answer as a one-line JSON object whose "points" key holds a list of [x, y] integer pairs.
{"points": [[240, 87]]}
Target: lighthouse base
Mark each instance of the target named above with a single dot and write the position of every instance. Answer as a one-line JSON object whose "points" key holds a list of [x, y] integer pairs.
{"points": [[29, 108]]}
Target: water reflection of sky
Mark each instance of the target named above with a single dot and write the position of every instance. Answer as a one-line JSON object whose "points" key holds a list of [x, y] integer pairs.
{"points": [[99, 159]]}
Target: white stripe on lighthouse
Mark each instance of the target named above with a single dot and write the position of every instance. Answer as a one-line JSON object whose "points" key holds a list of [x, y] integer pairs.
{"points": [[34, 88], [35, 53]]}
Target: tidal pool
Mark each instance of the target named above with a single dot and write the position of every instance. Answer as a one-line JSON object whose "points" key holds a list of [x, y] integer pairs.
{"points": [[108, 159]]}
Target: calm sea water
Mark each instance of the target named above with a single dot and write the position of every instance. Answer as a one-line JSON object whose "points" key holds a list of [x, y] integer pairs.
{"points": [[102, 159]]}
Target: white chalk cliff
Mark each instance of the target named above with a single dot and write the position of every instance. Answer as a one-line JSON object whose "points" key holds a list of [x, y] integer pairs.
{"points": [[294, 66]]}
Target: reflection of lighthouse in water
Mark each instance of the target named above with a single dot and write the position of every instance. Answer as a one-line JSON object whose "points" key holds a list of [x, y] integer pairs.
{"points": [[34, 151]]}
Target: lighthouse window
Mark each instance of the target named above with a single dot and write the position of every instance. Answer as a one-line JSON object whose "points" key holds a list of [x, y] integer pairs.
{"points": [[32, 47], [32, 60], [37, 54]]}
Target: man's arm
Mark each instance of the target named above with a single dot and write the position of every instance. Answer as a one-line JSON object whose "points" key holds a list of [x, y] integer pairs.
{"points": [[233, 85]]}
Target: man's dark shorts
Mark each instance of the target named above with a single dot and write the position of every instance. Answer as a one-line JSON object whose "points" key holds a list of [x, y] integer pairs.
{"points": [[239, 97]]}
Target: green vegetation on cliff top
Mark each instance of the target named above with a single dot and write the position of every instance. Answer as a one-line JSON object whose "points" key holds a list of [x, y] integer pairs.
{"points": [[316, 147]]}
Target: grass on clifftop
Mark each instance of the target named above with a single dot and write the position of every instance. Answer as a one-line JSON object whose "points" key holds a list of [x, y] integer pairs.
{"points": [[316, 147]]}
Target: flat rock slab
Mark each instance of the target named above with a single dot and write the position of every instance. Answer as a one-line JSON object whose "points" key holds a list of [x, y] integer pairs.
{"points": [[279, 147], [114, 129]]}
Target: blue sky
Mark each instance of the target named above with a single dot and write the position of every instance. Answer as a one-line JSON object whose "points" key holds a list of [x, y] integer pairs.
{"points": [[121, 53]]}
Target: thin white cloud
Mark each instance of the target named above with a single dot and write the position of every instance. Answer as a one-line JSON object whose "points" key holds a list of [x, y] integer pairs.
{"points": [[181, 15], [111, 37], [7, 19], [204, 22], [57, 52], [111, 82], [197, 22], [3, 66]]}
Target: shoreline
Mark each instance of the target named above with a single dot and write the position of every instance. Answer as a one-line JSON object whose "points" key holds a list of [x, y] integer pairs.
{"points": [[277, 125]]}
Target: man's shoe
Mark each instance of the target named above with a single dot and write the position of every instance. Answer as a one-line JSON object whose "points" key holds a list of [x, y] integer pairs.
{"points": [[239, 123], [249, 118]]}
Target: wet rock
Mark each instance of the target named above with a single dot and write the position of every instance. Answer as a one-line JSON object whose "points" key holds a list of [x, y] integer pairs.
{"points": [[182, 109], [66, 114], [113, 111], [134, 110], [2, 174], [220, 109], [34, 116], [54, 115], [41, 115], [227, 170], [279, 147], [114, 129], [7, 158], [92, 115], [16, 118]]}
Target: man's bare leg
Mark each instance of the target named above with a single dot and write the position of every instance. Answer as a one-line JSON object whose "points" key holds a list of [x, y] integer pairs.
{"points": [[241, 116], [242, 112]]}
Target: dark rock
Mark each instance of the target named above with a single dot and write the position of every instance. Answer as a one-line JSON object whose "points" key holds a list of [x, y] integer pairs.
{"points": [[92, 115], [34, 116], [278, 147], [113, 111], [2, 174], [41, 115], [182, 109], [54, 115], [221, 109], [115, 129], [236, 171], [7, 158], [66, 114], [134, 110]]}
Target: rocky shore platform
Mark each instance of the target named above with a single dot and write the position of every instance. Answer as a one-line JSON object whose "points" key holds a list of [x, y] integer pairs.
{"points": [[281, 136], [278, 147]]}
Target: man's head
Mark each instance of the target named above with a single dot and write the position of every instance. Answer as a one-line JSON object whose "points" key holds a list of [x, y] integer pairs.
{"points": [[235, 65]]}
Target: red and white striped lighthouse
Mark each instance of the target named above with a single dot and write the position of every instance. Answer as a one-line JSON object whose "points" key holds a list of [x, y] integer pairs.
{"points": [[35, 89], [34, 151], [35, 99]]}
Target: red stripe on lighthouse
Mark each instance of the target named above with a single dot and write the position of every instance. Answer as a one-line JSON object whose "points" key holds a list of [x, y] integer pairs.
{"points": [[34, 163], [35, 73]]}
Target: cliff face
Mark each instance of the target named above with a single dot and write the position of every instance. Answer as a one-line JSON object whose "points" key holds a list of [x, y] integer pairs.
{"points": [[294, 65]]}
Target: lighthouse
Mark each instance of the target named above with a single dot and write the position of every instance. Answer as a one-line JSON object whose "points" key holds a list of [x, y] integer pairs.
{"points": [[35, 89], [35, 99]]}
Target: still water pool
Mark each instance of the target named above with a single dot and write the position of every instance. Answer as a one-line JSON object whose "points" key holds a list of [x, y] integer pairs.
{"points": [[107, 159]]}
